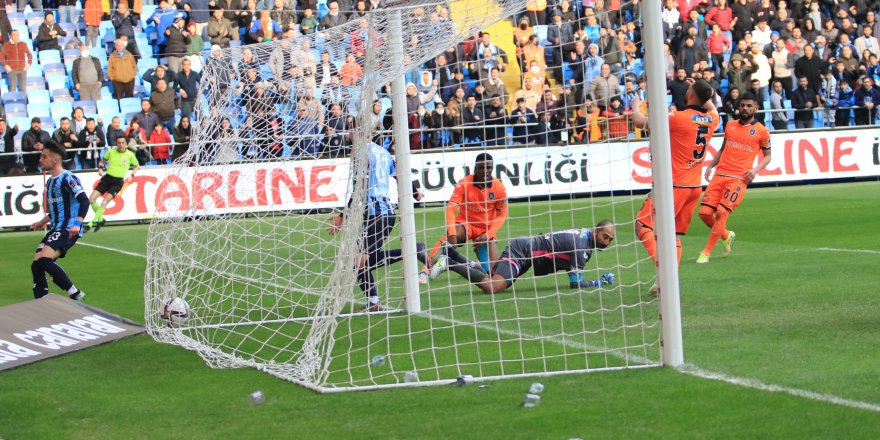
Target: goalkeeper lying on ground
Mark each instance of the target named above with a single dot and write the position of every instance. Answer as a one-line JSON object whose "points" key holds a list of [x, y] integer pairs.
{"points": [[567, 250]]}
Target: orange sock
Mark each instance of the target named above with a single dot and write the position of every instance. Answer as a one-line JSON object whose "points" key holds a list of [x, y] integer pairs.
{"points": [[719, 231], [646, 236], [678, 249]]}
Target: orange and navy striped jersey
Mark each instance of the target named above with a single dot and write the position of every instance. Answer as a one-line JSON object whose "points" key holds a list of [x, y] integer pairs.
{"points": [[689, 133], [741, 146]]}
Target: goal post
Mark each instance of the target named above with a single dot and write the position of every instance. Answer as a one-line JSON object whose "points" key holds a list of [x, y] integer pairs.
{"points": [[242, 230]]}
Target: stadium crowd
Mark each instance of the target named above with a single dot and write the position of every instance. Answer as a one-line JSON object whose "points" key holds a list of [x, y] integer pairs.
{"points": [[87, 72]]}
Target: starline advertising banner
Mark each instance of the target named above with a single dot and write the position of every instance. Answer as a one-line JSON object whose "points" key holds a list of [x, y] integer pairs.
{"points": [[526, 172]]}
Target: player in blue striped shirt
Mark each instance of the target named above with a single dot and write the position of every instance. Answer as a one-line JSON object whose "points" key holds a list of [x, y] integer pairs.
{"points": [[68, 204], [379, 220]]}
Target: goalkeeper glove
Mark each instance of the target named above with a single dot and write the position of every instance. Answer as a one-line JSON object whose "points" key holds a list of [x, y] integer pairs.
{"points": [[606, 280]]}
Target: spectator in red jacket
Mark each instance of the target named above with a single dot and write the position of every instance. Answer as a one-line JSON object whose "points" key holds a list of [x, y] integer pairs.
{"points": [[160, 142], [16, 57]]}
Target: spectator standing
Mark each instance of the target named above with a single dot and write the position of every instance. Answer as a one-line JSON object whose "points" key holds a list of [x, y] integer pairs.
{"points": [[472, 118], [114, 130], [845, 100], [804, 99], [124, 23], [147, 118], [678, 88], [122, 71], [199, 11], [177, 39], [67, 12], [604, 87], [309, 23], [496, 119], [529, 94], [164, 101], [8, 161], [284, 15], [92, 14], [722, 15], [866, 98], [743, 18], [182, 137], [761, 71], [231, 9], [36, 5], [333, 18], [777, 98], [67, 138], [160, 145], [495, 86], [153, 76], [162, 19], [351, 72], [810, 67], [93, 141], [5, 27], [32, 141], [220, 29], [783, 66], [867, 41], [88, 76], [521, 118], [718, 44], [194, 49], [16, 57], [47, 37], [265, 28], [188, 85]]}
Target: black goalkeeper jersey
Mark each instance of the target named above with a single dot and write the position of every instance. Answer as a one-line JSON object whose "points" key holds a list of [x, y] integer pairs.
{"points": [[567, 250]]}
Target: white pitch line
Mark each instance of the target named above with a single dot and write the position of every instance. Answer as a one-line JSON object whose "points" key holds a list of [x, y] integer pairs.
{"points": [[857, 251], [688, 369]]}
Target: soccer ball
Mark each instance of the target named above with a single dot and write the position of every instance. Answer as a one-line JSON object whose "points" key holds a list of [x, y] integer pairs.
{"points": [[175, 311]]}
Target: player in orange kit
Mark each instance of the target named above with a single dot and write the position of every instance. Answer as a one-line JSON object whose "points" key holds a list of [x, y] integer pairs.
{"points": [[689, 133], [734, 170], [475, 212]]}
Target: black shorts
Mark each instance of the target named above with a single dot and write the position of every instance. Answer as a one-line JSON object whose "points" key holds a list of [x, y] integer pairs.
{"points": [[109, 184], [58, 240], [515, 260], [376, 230]]}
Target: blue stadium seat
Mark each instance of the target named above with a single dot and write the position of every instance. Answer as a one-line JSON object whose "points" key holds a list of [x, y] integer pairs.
{"points": [[322, 10], [54, 69], [87, 106], [38, 96], [16, 18], [130, 105], [35, 18], [60, 109], [129, 116], [35, 82], [49, 56], [147, 62], [14, 98], [35, 69], [70, 55], [39, 111], [107, 25], [139, 92], [541, 32], [15, 107], [69, 28], [107, 106], [48, 123], [62, 94], [55, 82], [234, 43]]}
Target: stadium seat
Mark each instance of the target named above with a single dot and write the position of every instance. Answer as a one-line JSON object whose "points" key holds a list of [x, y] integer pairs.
{"points": [[322, 10], [54, 69], [130, 105], [147, 62], [70, 55], [47, 123], [35, 18], [107, 25], [107, 106], [16, 107], [49, 56], [61, 94], [38, 96], [35, 82], [55, 82], [39, 111], [35, 69], [129, 116], [16, 18], [14, 98], [61, 109], [87, 106], [234, 43], [139, 92], [69, 28]]}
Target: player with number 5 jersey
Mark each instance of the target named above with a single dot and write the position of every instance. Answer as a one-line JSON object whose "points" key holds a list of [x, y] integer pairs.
{"points": [[735, 169], [689, 131]]}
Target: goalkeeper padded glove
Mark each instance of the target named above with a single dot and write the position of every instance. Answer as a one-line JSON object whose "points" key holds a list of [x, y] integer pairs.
{"points": [[607, 279]]}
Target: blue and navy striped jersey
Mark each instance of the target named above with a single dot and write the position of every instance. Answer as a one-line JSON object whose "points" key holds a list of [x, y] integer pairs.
{"points": [[61, 192], [382, 169]]}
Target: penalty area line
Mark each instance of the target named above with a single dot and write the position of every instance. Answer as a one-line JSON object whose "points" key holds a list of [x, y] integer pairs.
{"points": [[687, 369]]}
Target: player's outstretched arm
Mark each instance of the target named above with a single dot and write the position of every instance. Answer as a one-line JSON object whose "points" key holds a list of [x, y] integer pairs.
{"points": [[576, 280]]}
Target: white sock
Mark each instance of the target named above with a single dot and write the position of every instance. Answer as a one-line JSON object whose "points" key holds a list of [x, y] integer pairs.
{"points": [[374, 299], [72, 290]]}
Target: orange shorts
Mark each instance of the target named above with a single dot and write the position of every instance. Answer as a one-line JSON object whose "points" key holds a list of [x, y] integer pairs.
{"points": [[684, 203], [474, 230], [724, 191]]}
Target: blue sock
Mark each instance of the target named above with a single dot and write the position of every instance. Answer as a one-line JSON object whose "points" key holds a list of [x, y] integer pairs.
{"points": [[483, 255], [41, 286]]}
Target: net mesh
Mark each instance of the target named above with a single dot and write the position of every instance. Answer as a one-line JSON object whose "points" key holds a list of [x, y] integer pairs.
{"points": [[239, 231]]}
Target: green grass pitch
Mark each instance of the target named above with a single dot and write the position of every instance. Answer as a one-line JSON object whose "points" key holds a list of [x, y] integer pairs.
{"points": [[795, 306]]}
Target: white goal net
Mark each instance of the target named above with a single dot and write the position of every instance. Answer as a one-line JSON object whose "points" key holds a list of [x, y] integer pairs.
{"points": [[286, 134]]}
